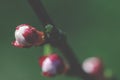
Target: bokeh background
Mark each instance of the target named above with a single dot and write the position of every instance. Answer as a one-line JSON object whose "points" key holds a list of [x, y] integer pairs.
{"points": [[92, 27]]}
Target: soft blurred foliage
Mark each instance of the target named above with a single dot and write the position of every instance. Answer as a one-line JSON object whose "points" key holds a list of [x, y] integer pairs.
{"points": [[92, 27]]}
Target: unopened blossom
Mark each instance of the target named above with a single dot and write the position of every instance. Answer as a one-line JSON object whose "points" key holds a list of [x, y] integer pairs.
{"points": [[27, 36], [51, 65], [93, 66]]}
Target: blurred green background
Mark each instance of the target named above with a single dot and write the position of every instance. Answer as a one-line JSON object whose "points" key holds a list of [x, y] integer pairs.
{"points": [[92, 27]]}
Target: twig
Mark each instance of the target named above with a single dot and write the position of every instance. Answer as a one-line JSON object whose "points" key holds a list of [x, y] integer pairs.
{"points": [[40, 12]]}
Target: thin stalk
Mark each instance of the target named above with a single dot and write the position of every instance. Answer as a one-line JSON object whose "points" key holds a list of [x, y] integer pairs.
{"points": [[47, 49]]}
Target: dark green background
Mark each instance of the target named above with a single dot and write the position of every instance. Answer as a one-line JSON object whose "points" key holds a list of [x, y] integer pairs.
{"points": [[92, 27]]}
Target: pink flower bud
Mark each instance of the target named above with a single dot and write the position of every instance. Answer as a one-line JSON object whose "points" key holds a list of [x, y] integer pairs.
{"points": [[51, 65], [93, 66], [27, 36]]}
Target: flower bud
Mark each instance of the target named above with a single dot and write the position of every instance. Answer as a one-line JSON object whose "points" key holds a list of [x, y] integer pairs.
{"points": [[93, 66], [51, 65], [27, 36]]}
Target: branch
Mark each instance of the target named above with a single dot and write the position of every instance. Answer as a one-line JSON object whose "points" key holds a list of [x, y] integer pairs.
{"points": [[40, 12]]}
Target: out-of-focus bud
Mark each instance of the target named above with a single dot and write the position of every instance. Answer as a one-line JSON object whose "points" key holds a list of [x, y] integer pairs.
{"points": [[27, 36], [51, 65], [93, 66]]}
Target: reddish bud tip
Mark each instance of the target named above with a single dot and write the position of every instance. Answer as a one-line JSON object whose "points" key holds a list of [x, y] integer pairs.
{"points": [[47, 74], [42, 59]]}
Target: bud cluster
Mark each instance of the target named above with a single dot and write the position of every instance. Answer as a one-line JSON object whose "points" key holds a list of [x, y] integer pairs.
{"points": [[27, 36], [51, 64]]}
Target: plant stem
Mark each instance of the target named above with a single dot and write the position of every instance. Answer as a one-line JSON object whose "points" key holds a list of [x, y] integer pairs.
{"points": [[47, 49], [75, 69]]}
